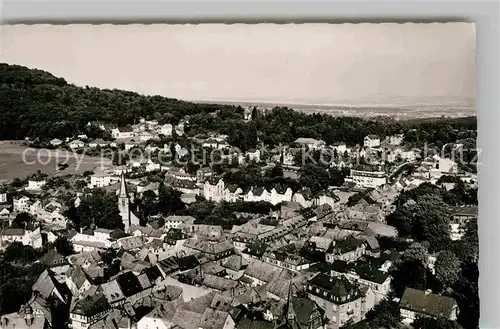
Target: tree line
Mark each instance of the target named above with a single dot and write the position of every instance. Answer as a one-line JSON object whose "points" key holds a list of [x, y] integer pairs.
{"points": [[34, 103]]}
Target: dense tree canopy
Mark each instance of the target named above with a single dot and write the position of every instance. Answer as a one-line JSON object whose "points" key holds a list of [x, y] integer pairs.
{"points": [[447, 268], [97, 208], [34, 103]]}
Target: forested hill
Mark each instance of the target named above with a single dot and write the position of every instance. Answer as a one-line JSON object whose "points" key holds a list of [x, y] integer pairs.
{"points": [[34, 103]]}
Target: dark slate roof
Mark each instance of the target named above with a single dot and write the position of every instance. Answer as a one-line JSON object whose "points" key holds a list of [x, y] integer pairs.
{"points": [[129, 284], [430, 304], [91, 305], [303, 309], [337, 286], [187, 262], [53, 259]]}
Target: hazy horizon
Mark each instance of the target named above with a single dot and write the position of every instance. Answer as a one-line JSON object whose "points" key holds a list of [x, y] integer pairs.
{"points": [[338, 64]]}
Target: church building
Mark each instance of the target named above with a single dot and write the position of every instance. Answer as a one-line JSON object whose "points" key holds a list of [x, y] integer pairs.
{"points": [[128, 217]]}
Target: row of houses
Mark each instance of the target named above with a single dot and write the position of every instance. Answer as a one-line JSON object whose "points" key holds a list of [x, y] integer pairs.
{"points": [[217, 190]]}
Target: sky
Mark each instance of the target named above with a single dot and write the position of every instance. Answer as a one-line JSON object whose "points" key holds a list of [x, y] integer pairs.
{"points": [[291, 63]]}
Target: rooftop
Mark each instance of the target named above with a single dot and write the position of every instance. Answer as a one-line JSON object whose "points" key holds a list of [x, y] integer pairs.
{"points": [[427, 303], [91, 305]]}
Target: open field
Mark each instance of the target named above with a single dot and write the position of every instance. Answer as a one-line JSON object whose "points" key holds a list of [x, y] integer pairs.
{"points": [[396, 110], [17, 160]]}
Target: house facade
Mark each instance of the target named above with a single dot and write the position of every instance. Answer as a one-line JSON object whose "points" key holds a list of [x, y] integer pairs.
{"points": [[36, 184], [367, 179], [342, 301], [416, 303], [371, 141]]}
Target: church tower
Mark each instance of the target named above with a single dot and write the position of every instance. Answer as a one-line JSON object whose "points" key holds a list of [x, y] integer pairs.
{"points": [[123, 203]]}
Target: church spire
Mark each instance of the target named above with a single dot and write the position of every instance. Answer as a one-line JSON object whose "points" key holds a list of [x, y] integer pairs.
{"points": [[123, 187], [123, 203]]}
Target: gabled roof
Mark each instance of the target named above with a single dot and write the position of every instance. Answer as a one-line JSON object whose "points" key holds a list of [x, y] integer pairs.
{"points": [[186, 319], [303, 308], [431, 304], [266, 272], [129, 284], [234, 262], [46, 285], [213, 319], [91, 305], [218, 283], [126, 129], [77, 275]]}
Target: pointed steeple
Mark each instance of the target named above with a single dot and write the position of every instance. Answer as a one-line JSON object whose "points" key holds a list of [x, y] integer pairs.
{"points": [[123, 187], [123, 203]]}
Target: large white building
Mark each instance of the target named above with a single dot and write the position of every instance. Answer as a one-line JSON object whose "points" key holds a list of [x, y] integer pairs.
{"points": [[36, 184], [343, 301], [367, 178], [92, 240], [122, 132], [166, 129], [417, 303], [310, 143], [396, 139], [21, 204], [100, 180], [27, 237], [3, 197], [447, 166], [273, 196], [371, 141]]}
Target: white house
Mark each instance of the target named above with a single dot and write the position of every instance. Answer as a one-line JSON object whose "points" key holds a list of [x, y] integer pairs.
{"points": [[151, 166], [179, 129], [56, 142], [416, 303], [173, 221], [247, 114], [343, 301], [303, 197], [367, 178], [310, 143], [84, 316], [76, 144], [49, 213], [77, 281], [379, 282], [274, 197], [166, 129], [3, 197], [26, 237], [447, 166], [145, 136], [100, 180], [122, 132], [92, 240], [396, 139], [4, 213], [371, 141], [431, 263], [253, 155], [36, 184], [98, 142], [21, 204]]}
